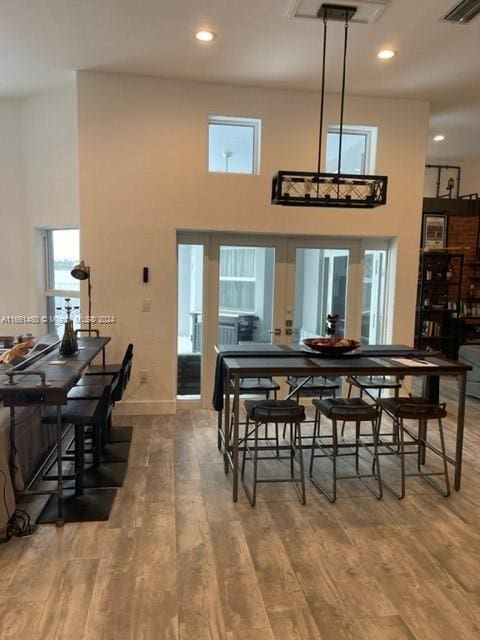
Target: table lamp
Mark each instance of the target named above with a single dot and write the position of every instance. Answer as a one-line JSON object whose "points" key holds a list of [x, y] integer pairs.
{"points": [[81, 271]]}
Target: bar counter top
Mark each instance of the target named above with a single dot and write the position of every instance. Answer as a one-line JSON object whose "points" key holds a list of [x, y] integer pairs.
{"points": [[60, 378]]}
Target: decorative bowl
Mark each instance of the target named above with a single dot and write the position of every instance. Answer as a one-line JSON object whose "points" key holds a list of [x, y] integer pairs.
{"points": [[331, 346]]}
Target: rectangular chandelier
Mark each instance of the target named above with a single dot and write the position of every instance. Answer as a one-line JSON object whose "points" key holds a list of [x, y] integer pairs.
{"points": [[310, 189]]}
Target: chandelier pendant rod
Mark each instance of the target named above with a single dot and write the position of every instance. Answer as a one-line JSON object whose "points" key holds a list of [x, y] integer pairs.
{"points": [[342, 102], [322, 98]]}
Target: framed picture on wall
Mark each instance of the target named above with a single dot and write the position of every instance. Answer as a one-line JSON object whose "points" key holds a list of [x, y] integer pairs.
{"points": [[434, 235]]}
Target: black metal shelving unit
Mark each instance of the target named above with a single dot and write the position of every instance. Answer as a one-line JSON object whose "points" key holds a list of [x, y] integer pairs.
{"points": [[439, 302]]}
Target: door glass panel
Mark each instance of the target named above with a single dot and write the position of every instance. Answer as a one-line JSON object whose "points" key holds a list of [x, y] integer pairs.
{"points": [[320, 290], [190, 310], [373, 301], [246, 289]]}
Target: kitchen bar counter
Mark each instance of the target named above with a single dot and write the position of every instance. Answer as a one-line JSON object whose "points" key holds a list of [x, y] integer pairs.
{"points": [[29, 391]]}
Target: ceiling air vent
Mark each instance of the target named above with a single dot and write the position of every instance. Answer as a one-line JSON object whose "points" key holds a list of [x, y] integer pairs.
{"points": [[463, 12], [366, 10]]}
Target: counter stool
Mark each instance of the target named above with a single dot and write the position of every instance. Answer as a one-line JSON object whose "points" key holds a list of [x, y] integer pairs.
{"points": [[81, 504], [422, 411], [259, 386], [263, 412], [110, 369], [372, 387], [316, 386], [345, 410], [108, 467]]}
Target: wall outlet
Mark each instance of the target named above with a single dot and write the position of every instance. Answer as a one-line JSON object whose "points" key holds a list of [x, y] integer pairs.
{"points": [[146, 305], [144, 375]]}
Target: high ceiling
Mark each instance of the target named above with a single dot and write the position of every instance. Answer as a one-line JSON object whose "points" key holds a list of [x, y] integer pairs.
{"points": [[43, 41]]}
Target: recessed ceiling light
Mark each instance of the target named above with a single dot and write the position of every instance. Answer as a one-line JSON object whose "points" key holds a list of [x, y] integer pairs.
{"points": [[205, 36], [385, 54], [439, 138]]}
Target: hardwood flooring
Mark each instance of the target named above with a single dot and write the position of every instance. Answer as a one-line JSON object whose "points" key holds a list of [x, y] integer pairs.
{"points": [[178, 560]]}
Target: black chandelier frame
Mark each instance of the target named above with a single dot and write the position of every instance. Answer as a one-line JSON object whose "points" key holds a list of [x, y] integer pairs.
{"points": [[320, 189]]}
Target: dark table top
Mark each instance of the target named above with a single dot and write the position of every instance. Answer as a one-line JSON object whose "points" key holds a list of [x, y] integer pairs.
{"points": [[60, 377], [344, 365]]}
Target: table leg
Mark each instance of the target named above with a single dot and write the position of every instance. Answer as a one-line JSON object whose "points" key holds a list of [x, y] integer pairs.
{"points": [[236, 420], [226, 419], [59, 522], [219, 429], [462, 392], [79, 458]]}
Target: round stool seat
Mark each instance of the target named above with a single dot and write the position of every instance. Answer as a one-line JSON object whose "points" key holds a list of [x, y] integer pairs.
{"points": [[413, 408], [317, 383], [346, 409], [251, 385], [373, 382], [274, 411]]}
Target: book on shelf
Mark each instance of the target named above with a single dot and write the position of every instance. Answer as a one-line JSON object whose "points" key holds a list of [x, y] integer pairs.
{"points": [[431, 329]]}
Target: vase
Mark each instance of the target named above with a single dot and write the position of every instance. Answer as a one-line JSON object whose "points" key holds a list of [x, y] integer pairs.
{"points": [[69, 345]]}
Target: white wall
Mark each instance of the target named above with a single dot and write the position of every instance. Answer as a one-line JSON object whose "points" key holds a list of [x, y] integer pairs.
{"points": [[39, 178], [50, 166], [143, 175], [13, 228]]}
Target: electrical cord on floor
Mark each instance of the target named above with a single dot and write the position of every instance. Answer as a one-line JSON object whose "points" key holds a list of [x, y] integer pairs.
{"points": [[19, 523]]}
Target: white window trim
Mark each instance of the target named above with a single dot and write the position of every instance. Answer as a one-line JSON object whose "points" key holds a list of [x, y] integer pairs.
{"points": [[371, 134], [240, 121]]}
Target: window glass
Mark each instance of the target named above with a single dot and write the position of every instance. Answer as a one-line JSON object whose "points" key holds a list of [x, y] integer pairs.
{"points": [[65, 254], [233, 145], [189, 320], [373, 304], [359, 149], [354, 149], [62, 253]]}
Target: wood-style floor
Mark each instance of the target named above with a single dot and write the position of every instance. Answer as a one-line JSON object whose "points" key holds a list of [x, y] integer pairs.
{"points": [[179, 560]]}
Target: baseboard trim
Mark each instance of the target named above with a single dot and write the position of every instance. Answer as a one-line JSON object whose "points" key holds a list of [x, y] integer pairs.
{"points": [[146, 408]]}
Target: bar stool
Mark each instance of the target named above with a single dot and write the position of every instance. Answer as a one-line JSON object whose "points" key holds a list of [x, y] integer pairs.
{"points": [[110, 369], [82, 504], [263, 412], [368, 385], [316, 386], [421, 410], [260, 386], [346, 410]]}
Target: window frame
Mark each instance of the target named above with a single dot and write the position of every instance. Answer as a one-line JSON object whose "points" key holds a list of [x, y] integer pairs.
{"points": [[50, 292], [371, 136], [238, 121]]}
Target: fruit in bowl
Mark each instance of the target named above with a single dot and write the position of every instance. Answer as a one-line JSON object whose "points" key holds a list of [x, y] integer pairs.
{"points": [[331, 346]]}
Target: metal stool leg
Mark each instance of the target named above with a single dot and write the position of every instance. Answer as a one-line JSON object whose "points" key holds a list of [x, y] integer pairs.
{"points": [[349, 395], [299, 451]]}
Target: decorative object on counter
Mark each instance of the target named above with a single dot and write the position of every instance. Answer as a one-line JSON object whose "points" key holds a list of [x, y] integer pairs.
{"points": [[82, 271], [434, 232], [18, 351], [331, 346], [69, 344], [331, 326], [317, 189]]}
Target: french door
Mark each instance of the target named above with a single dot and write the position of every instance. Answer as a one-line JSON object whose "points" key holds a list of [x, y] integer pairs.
{"points": [[259, 289]]}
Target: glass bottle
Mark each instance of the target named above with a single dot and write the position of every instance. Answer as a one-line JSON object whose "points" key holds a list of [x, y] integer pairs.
{"points": [[69, 344], [429, 273]]}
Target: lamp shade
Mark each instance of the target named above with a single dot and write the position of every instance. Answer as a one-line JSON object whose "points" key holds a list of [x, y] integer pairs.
{"points": [[80, 271]]}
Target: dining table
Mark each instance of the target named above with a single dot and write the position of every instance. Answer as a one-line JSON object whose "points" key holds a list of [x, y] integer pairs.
{"points": [[236, 362]]}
